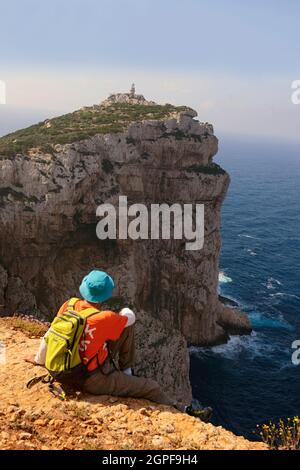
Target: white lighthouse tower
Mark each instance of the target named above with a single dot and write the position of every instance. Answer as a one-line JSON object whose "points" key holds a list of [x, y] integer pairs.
{"points": [[132, 91]]}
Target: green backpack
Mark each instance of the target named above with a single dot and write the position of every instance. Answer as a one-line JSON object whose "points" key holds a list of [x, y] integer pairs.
{"points": [[63, 359]]}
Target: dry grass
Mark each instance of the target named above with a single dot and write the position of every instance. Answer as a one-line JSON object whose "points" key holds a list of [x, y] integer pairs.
{"points": [[30, 327]]}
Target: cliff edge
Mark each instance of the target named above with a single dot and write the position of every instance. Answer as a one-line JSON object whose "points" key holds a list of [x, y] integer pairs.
{"points": [[35, 419]]}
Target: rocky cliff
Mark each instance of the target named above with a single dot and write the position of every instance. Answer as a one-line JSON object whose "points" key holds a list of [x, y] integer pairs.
{"points": [[55, 174]]}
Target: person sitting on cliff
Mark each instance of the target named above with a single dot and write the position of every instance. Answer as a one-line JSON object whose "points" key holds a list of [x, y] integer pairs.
{"points": [[108, 334]]}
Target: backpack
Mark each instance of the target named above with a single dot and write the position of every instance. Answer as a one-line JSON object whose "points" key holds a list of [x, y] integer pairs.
{"points": [[63, 360]]}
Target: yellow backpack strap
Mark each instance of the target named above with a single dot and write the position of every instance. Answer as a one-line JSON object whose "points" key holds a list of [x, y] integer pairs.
{"points": [[87, 312], [72, 303]]}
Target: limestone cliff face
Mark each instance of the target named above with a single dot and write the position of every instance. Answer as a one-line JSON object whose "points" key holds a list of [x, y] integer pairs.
{"points": [[48, 240]]}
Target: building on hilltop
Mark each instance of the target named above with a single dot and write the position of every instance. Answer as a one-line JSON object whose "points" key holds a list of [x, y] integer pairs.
{"points": [[132, 91], [131, 98]]}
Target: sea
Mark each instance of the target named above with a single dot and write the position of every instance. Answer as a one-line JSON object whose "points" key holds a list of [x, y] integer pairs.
{"points": [[252, 380]]}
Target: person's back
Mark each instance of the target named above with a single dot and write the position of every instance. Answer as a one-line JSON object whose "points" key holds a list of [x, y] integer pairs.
{"points": [[107, 335], [100, 328]]}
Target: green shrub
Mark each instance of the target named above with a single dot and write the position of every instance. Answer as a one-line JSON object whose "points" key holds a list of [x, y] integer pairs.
{"points": [[107, 166], [130, 141], [211, 169]]}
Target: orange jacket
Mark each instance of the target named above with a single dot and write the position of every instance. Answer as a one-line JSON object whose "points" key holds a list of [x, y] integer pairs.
{"points": [[100, 328]]}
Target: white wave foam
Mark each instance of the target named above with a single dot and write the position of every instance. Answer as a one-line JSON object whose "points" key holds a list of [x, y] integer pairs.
{"points": [[254, 345], [272, 283], [241, 235], [283, 294], [252, 253], [223, 279]]}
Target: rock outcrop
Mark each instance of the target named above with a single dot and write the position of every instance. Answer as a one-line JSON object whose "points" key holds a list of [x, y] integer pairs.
{"points": [[33, 419], [54, 175]]}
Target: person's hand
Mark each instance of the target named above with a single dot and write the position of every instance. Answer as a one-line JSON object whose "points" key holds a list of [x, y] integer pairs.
{"points": [[127, 312]]}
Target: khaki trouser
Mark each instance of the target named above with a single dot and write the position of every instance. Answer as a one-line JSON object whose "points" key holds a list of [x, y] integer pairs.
{"points": [[117, 383]]}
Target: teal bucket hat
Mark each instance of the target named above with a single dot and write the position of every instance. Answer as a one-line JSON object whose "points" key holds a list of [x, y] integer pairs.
{"points": [[96, 287]]}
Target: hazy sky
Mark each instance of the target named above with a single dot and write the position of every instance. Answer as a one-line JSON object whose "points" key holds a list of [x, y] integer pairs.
{"points": [[232, 60]]}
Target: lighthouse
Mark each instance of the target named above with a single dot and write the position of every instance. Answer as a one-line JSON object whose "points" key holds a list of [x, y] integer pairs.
{"points": [[132, 91]]}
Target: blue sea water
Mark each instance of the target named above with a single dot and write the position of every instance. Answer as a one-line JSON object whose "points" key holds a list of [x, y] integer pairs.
{"points": [[252, 379]]}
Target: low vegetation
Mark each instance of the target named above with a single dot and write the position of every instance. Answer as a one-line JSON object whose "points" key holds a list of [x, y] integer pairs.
{"points": [[81, 125], [211, 169], [284, 435]]}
